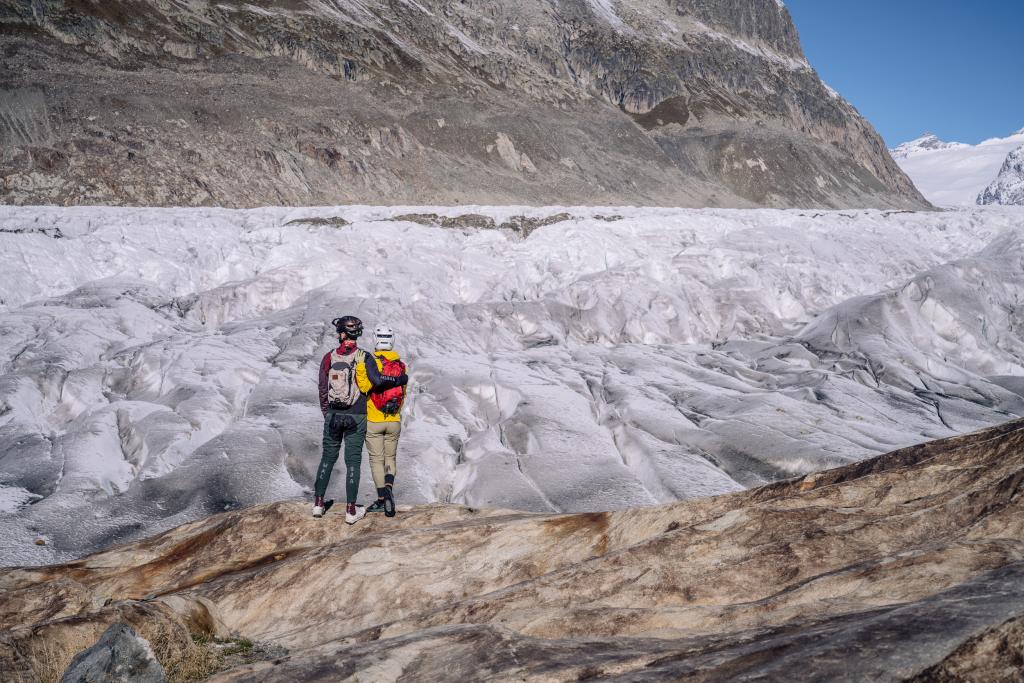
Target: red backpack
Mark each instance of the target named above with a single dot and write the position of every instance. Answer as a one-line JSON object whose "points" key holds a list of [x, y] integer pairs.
{"points": [[390, 400]]}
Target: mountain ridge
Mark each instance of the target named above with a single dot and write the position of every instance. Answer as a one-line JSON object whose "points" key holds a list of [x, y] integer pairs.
{"points": [[1008, 187], [954, 173], [572, 102], [927, 142]]}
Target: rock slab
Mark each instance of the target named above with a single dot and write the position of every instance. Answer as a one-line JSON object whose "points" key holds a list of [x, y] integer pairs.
{"points": [[905, 567]]}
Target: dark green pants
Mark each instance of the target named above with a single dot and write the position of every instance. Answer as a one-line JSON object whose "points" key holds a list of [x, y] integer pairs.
{"points": [[352, 435]]}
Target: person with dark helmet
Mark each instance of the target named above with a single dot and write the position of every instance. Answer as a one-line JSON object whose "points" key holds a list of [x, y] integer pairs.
{"points": [[343, 405], [384, 419]]}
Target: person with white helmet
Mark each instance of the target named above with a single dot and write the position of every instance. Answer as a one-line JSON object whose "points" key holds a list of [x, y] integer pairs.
{"points": [[384, 419], [346, 376]]}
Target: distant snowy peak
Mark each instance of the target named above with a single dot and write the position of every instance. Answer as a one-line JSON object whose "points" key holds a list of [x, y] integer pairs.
{"points": [[952, 173], [1008, 187], [928, 142]]}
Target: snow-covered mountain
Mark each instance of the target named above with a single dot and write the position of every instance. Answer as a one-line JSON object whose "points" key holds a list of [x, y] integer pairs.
{"points": [[929, 142], [1008, 187], [954, 173], [311, 102], [157, 365]]}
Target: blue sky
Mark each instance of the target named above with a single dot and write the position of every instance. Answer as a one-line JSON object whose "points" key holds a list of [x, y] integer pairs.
{"points": [[951, 67]]}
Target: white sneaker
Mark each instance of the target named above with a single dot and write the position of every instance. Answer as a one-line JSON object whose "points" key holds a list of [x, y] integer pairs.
{"points": [[318, 511], [352, 519]]}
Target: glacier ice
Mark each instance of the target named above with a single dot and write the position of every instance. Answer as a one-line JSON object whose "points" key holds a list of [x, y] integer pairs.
{"points": [[158, 365]]}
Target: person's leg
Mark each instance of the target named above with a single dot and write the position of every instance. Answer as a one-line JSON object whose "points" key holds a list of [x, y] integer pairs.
{"points": [[375, 435], [353, 457], [375, 448], [394, 430], [331, 446], [391, 435]]}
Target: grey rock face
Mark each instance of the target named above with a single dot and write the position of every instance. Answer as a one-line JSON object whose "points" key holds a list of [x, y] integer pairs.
{"points": [[119, 656], [434, 102], [1008, 187]]}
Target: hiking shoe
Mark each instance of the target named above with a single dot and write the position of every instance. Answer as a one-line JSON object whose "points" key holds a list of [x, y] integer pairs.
{"points": [[318, 507], [354, 513], [376, 506], [389, 502]]}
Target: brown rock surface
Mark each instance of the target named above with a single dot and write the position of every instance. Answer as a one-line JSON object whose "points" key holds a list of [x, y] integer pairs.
{"points": [[907, 565], [242, 104]]}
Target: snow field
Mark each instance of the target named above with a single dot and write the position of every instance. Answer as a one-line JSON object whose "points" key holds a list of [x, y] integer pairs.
{"points": [[954, 174], [158, 365]]}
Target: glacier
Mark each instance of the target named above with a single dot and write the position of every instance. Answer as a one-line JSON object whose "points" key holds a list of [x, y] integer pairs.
{"points": [[159, 365], [954, 173]]}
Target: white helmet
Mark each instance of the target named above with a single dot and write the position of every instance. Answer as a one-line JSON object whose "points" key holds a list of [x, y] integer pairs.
{"points": [[383, 338]]}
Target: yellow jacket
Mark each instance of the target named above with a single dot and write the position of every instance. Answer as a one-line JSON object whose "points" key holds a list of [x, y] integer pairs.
{"points": [[372, 412]]}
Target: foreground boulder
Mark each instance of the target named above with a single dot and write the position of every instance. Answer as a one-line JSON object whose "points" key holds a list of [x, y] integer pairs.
{"points": [[120, 656], [909, 565]]}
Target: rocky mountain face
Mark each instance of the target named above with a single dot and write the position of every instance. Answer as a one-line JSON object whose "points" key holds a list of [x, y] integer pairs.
{"points": [[677, 102], [1008, 187], [908, 566]]}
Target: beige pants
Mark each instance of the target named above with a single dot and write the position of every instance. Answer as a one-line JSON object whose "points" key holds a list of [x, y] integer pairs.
{"points": [[382, 445]]}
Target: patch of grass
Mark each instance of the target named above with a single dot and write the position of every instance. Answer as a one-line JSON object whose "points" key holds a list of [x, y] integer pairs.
{"points": [[188, 662], [194, 664], [201, 639], [184, 657], [49, 660], [218, 654], [237, 646]]}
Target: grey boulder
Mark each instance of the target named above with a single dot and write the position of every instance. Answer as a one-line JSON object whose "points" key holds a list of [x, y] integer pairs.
{"points": [[119, 655]]}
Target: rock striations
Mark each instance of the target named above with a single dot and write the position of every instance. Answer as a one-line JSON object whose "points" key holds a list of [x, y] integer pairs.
{"points": [[240, 104], [909, 566]]}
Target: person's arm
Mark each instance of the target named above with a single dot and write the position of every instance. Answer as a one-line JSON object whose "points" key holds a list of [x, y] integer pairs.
{"points": [[375, 380], [325, 368], [362, 374]]}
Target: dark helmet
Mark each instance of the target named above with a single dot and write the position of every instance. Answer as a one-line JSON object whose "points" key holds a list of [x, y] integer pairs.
{"points": [[348, 325]]}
